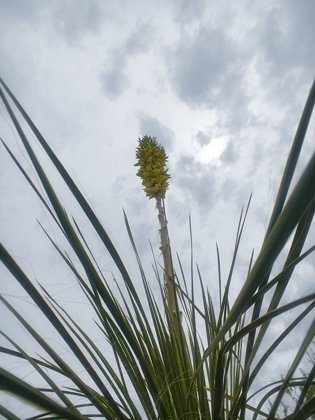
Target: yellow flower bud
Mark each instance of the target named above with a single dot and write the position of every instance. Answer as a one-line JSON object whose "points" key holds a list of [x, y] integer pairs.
{"points": [[152, 160]]}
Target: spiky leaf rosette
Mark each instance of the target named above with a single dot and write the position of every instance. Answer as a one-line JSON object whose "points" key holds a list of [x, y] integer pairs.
{"points": [[152, 160]]}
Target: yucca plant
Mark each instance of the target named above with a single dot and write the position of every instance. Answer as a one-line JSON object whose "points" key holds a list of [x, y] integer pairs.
{"points": [[165, 366]]}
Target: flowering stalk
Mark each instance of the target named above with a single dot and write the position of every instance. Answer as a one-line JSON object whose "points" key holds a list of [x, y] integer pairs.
{"points": [[168, 268], [152, 161]]}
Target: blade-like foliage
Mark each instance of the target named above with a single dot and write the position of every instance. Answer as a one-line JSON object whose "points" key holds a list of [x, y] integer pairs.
{"points": [[175, 357]]}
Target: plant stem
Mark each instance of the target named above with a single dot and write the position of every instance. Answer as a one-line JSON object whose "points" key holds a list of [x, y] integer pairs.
{"points": [[170, 291]]}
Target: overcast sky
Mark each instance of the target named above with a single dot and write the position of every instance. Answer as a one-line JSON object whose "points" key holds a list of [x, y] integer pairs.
{"points": [[221, 85]]}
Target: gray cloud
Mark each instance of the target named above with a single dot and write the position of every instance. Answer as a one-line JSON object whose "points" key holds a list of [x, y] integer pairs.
{"points": [[207, 184], [196, 179], [203, 138], [114, 79], [201, 65], [230, 154], [74, 19], [17, 9], [205, 69], [186, 10], [287, 37], [153, 127], [70, 19], [208, 66], [139, 40]]}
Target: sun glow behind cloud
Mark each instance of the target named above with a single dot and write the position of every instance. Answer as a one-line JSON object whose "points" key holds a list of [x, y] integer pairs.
{"points": [[210, 153]]}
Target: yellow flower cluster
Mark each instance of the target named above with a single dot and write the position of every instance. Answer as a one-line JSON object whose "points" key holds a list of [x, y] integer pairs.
{"points": [[152, 160]]}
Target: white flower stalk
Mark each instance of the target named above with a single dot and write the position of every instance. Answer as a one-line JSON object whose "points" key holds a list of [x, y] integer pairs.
{"points": [[168, 270], [152, 162]]}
